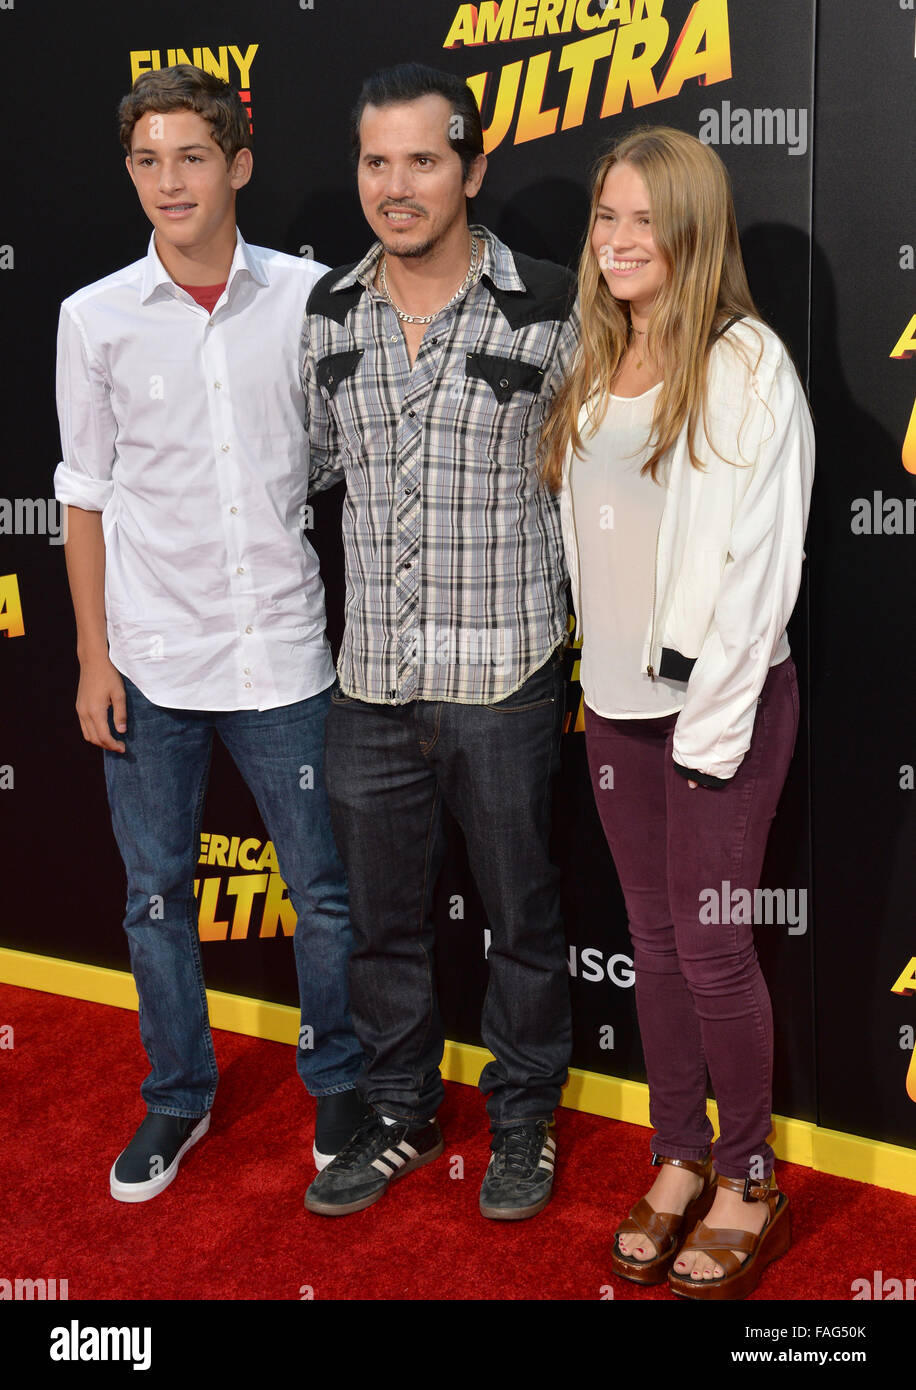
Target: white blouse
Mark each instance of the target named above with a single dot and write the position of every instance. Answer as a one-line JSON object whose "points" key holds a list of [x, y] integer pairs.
{"points": [[617, 513]]}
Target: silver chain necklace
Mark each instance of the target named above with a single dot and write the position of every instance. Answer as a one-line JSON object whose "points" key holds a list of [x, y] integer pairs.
{"points": [[428, 318]]}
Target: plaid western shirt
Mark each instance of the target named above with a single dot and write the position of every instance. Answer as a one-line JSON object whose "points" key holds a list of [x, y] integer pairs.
{"points": [[455, 574]]}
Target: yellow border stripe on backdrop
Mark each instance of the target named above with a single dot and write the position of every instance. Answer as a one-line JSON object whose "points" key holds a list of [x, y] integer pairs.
{"points": [[796, 1141]]}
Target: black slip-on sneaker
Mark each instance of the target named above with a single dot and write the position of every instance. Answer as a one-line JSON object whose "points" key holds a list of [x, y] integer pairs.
{"points": [[519, 1178], [150, 1161], [373, 1157]]}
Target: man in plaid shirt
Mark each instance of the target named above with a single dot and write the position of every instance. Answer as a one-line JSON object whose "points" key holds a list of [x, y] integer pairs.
{"points": [[430, 366]]}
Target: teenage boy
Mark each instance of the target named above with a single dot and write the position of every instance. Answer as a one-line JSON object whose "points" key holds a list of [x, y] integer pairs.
{"points": [[430, 366], [198, 602]]}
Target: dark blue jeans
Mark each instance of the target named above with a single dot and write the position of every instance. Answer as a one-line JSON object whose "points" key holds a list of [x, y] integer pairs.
{"points": [[390, 768], [156, 792]]}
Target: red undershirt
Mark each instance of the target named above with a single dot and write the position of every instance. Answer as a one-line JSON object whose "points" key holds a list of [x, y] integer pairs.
{"points": [[206, 295]]}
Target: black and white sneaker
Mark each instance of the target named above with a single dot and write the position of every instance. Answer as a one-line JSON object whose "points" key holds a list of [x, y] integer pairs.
{"points": [[519, 1179], [339, 1117], [376, 1155], [150, 1161]]}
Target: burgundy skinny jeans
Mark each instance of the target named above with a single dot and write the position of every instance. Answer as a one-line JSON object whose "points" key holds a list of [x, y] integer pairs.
{"points": [[700, 995]]}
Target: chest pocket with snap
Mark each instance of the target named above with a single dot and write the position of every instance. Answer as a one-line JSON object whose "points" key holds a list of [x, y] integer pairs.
{"points": [[332, 370], [504, 375]]}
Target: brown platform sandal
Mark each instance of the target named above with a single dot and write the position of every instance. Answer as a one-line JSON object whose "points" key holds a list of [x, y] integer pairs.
{"points": [[741, 1277], [663, 1228]]}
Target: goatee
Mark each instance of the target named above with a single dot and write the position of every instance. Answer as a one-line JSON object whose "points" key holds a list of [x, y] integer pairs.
{"points": [[409, 252]]}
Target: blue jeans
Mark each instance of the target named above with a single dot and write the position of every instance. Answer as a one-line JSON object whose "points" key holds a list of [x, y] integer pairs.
{"points": [[389, 770], [156, 791]]}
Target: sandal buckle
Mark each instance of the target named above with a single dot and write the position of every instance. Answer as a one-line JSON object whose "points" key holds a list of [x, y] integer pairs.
{"points": [[755, 1191]]}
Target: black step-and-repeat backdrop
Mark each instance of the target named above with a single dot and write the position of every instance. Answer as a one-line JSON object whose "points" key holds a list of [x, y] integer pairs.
{"points": [[829, 247]]}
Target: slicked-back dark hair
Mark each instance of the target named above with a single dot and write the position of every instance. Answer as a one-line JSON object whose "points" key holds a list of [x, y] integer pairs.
{"points": [[408, 82]]}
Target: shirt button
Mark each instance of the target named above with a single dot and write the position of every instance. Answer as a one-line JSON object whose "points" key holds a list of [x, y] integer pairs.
{"points": [[248, 685], [393, 338], [218, 385], [240, 569], [247, 671], [234, 511], [408, 491], [412, 414], [504, 382], [224, 448], [249, 629]]}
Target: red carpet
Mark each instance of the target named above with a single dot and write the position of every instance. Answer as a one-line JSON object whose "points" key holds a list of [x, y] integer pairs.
{"points": [[232, 1226]]}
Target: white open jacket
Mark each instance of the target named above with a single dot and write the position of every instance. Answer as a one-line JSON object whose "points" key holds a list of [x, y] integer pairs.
{"points": [[730, 543]]}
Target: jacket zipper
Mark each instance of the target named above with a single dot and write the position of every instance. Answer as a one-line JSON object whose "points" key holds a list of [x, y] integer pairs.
{"points": [[650, 669]]}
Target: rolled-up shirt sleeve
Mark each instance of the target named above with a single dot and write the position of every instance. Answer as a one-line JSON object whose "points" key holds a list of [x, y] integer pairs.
{"points": [[88, 428]]}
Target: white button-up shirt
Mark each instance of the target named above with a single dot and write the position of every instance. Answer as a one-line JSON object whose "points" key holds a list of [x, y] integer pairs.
{"points": [[186, 431]]}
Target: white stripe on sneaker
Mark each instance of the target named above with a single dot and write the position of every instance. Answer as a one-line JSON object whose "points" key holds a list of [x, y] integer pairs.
{"points": [[392, 1160]]}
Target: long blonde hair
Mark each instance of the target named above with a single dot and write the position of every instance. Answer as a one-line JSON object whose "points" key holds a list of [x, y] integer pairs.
{"points": [[694, 227]]}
